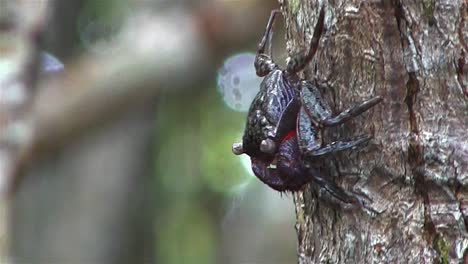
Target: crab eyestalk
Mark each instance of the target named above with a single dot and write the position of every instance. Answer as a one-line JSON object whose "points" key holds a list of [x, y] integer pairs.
{"points": [[237, 149], [268, 146]]}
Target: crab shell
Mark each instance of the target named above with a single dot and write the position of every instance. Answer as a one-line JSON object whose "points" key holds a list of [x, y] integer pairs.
{"points": [[272, 116]]}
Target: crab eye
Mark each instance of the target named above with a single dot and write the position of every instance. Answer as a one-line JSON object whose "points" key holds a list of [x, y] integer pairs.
{"points": [[237, 148], [268, 146]]}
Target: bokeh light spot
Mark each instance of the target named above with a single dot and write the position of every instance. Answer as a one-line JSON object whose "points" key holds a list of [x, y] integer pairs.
{"points": [[237, 81], [237, 94]]}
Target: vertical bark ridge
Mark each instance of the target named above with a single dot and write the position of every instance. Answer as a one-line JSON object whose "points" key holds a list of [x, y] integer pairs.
{"points": [[461, 75]]}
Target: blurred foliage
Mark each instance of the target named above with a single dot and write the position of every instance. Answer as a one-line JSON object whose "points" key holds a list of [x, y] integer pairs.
{"points": [[197, 178], [99, 22], [196, 173], [196, 133], [222, 171], [188, 235]]}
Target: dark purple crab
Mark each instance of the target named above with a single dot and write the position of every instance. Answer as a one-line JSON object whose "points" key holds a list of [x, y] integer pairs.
{"points": [[282, 135]]}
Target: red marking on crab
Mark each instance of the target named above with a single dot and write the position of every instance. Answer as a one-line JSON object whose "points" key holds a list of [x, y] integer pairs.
{"points": [[290, 134]]}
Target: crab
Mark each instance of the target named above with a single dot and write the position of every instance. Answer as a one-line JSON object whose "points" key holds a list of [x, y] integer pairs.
{"points": [[282, 135]]}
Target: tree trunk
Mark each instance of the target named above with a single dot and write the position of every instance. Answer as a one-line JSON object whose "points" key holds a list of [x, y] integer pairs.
{"points": [[415, 171]]}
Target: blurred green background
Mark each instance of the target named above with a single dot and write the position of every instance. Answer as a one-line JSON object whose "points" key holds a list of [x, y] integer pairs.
{"points": [[209, 207]]}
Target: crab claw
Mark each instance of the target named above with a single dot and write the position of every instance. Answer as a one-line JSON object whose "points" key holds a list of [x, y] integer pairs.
{"points": [[237, 148], [268, 146]]}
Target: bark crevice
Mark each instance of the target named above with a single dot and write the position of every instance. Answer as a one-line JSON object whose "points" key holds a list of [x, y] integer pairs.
{"points": [[461, 72], [463, 50]]}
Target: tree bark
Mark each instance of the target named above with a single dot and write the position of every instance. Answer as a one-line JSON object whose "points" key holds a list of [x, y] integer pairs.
{"points": [[415, 170]]}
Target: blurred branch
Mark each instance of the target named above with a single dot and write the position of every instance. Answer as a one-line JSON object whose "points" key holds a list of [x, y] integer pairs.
{"points": [[20, 29], [92, 190], [168, 51], [21, 26], [151, 56]]}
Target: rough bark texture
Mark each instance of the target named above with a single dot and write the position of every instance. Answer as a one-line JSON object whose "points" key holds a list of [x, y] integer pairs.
{"points": [[413, 54]]}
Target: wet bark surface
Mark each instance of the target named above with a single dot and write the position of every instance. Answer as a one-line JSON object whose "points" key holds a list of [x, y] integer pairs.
{"points": [[415, 170]]}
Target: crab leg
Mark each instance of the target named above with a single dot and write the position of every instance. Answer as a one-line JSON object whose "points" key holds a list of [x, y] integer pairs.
{"points": [[340, 146], [331, 187], [313, 103], [298, 62], [268, 30], [263, 62], [310, 141], [308, 135], [351, 112], [318, 110]]}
